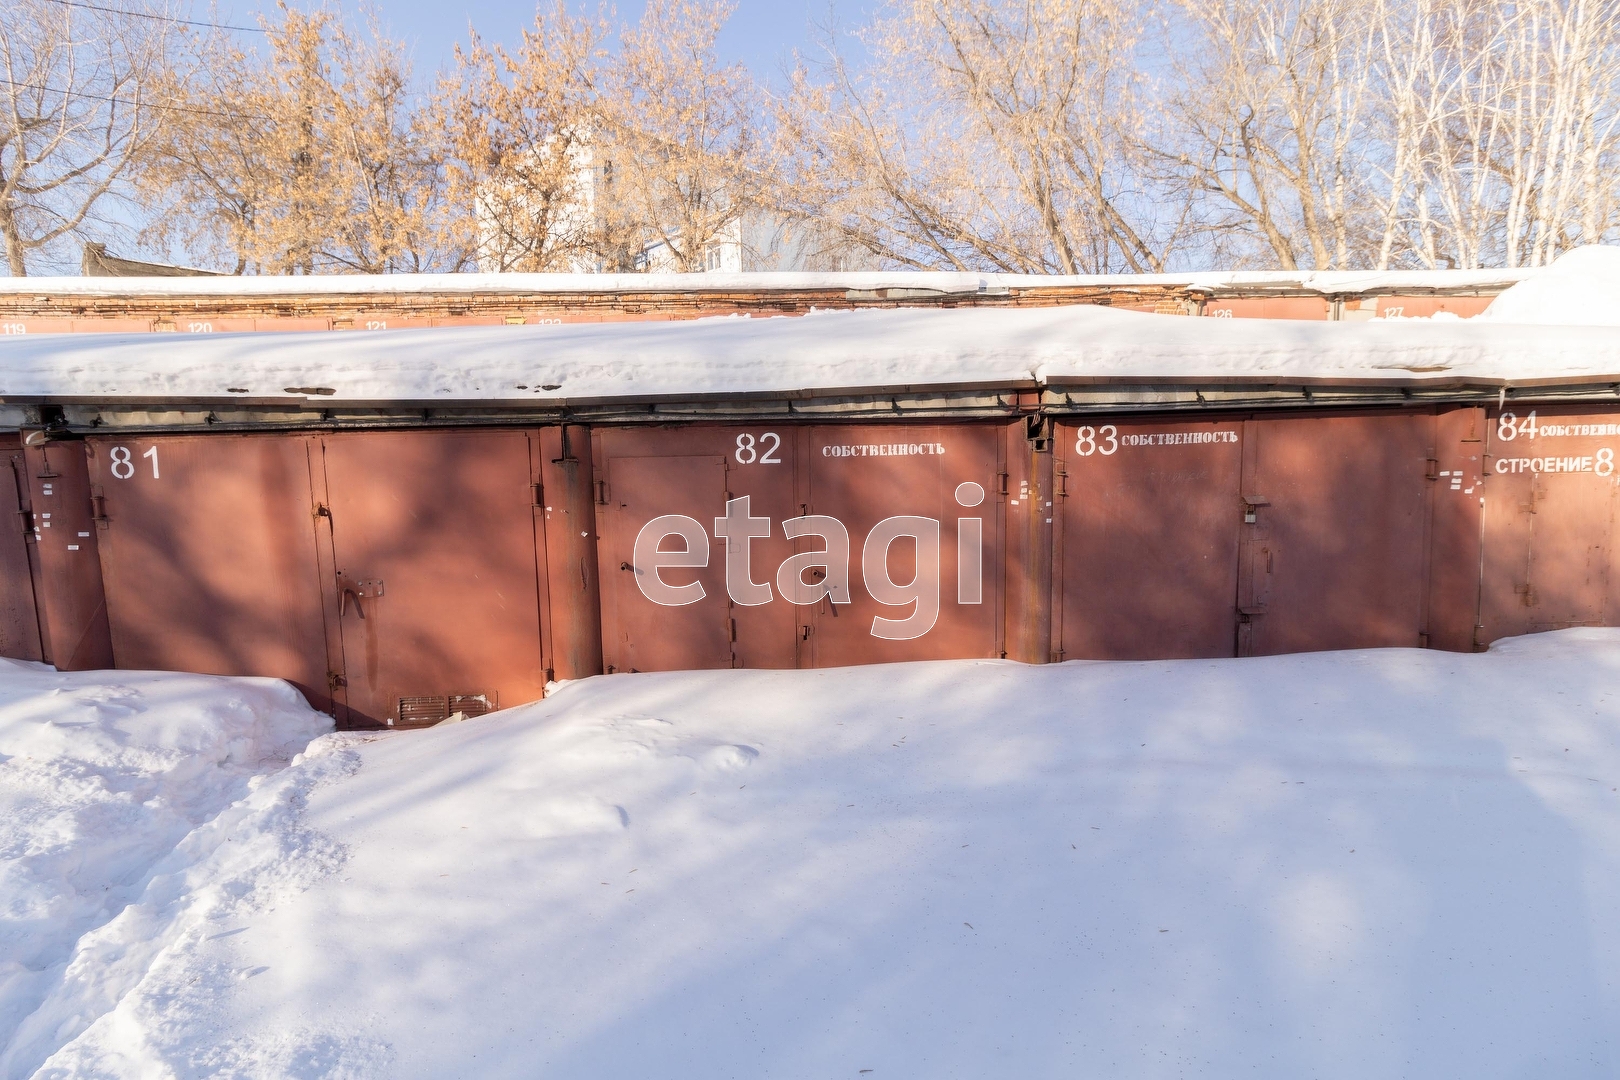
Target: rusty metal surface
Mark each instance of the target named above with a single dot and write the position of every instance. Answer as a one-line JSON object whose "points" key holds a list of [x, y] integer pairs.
{"points": [[863, 475], [1549, 549], [19, 619], [1271, 535], [1150, 520], [724, 493], [692, 472], [1335, 555], [408, 575], [209, 555], [637, 633], [1423, 307], [1458, 494], [72, 605], [434, 569], [1269, 307], [1023, 489], [568, 532]]}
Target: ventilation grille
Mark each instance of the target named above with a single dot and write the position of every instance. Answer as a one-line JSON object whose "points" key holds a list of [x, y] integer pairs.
{"points": [[426, 711]]}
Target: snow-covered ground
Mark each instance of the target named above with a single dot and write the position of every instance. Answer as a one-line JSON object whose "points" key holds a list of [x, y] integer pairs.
{"points": [[1369, 864]]}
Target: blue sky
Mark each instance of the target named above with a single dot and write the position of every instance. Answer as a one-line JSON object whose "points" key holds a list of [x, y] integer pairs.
{"points": [[761, 33]]}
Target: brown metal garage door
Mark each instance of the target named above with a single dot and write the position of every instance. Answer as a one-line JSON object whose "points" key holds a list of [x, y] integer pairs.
{"points": [[391, 576], [1269, 535], [1335, 557], [1147, 545], [648, 478], [1549, 522], [208, 551], [435, 571], [863, 502], [934, 591]]}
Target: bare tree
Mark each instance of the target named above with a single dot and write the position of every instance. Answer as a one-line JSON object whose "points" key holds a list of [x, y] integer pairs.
{"points": [[306, 158], [1340, 133], [1513, 115], [524, 170], [987, 133], [76, 113], [681, 133], [1271, 112]]}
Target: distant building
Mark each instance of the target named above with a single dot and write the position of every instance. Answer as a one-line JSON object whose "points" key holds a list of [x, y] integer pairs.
{"points": [[754, 240], [95, 262]]}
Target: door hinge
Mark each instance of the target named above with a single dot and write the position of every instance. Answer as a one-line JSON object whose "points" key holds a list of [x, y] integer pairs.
{"points": [[334, 681], [601, 493], [1431, 469], [538, 492]]}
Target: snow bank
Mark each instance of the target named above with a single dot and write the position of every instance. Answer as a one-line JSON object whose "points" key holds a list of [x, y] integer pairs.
{"points": [[1386, 863], [1580, 288], [821, 351], [109, 785]]}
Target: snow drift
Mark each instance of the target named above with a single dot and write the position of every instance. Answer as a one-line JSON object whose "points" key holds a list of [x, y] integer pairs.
{"points": [[1580, 288], [116, 792], [1378, 863]]}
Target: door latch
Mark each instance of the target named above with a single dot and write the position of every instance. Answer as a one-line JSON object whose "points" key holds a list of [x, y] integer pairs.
{"points": [[357, 590]]}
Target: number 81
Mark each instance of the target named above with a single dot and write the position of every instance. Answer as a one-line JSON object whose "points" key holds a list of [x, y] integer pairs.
{"points": [[123, 465]]}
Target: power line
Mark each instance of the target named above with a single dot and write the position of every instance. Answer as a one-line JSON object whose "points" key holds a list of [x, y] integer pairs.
{"points": [[161, 18], [135, 104]]}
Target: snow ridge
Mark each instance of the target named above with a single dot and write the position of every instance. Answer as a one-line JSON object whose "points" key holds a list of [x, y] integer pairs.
{"points": [[136, 816]]}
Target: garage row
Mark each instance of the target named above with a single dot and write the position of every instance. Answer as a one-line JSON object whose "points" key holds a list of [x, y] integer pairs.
{"points": [[399, 577]]}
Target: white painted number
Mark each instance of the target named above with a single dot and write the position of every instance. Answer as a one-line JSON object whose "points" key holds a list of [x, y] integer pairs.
{"points": [[376, 324], [1605, 462], [1509, 427], [1087, 443], [123, 465], [14, 328], [200, 327], [747, 453]]}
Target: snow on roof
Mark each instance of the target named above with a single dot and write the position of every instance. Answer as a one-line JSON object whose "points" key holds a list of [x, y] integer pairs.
{"points": [[837, 350], [1581, 288], [1323, 282]]}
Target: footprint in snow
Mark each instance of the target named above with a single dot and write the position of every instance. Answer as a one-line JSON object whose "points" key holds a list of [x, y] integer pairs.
{"points": [[730, 758]]}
